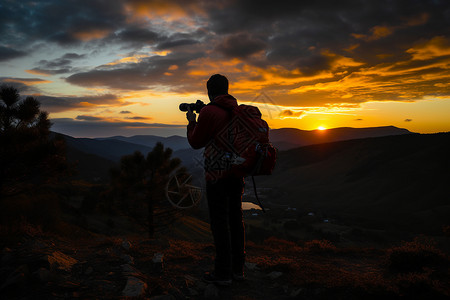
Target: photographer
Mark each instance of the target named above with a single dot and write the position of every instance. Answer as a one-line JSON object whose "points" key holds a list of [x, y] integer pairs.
{"points": [[223, 189]]}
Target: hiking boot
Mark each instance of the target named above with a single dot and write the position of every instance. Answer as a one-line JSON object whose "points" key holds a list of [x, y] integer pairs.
{"points": [[239, 276], [210, 277]]}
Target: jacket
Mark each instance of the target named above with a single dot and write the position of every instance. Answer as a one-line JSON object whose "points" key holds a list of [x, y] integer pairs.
{"points": [[211, 131]]}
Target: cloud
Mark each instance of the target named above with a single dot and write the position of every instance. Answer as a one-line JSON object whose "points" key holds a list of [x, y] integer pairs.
{"points": [[88, 118], [291, 114], [67, 103], [56, 66], [138, 118], [23, 81], [408, 120], [148, 72], [7, 53], [310, 52], [241, 45], [125, 112], [83, 127]]}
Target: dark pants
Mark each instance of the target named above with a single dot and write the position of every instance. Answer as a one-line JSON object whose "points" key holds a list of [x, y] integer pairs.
{"points": [[227, 224]]}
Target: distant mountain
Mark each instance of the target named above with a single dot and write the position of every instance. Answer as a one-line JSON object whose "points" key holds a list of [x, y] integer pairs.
{"points": [[111, 149], [288, 138], [283, 139], [392, 183], [175, 142]]}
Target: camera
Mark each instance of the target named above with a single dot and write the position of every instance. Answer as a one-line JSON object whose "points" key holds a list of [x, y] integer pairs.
{"points": [[197, 106]]}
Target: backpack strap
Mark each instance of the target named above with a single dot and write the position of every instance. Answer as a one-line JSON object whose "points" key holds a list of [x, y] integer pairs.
{"points": [[256, 195]]}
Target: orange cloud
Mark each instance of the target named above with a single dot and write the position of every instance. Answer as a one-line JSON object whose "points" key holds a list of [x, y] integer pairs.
{"points": [[437, 46], [291, 114], [86, 36], [38, 72], [166, 10], [27, 81]]}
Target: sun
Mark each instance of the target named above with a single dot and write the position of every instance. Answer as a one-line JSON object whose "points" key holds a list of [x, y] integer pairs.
{"points": [[321, 128]]}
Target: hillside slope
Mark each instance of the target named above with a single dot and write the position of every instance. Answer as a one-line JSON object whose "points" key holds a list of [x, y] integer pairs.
{"points": [[395, 183]]}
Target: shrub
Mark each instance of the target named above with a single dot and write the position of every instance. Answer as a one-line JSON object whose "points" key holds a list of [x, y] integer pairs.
{"points": [[416, 255], [320, 246]]}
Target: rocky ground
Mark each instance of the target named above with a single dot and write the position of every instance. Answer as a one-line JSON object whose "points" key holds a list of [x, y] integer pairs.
{"points": [[42, 266]]}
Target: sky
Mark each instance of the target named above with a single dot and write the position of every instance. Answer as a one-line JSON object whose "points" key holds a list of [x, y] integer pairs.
{"points": [[103, 68]]}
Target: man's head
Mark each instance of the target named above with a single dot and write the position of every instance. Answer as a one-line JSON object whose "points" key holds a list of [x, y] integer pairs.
{"points": [[217, 85]]}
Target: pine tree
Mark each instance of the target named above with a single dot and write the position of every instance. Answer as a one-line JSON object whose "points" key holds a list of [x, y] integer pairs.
{"points": [[28, 156], [140, 183]]}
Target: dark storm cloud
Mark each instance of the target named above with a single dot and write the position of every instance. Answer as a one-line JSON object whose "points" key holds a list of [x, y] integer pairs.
{"points": [[149, 72], [88, 118], [7, 53], [59, 104], [298, 39], [169, 44], [241, 45], [63, 22], [137, 35], [57, 66]]}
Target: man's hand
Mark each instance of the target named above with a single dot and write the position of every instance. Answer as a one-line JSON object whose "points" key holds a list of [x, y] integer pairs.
{"points": [[190, 115]]}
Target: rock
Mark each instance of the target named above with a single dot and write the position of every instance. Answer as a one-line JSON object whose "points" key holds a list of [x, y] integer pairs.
{"points": [[126, 268], [104, 286], [38, 245], [134, 288], [128, 259], [16, 278], [59, 260], [158, 262], [42, 274], [158, 258], [211, 292], [190, 280], [89, 271], [193, 292], [176, 293], [163, 297], [7, 257], [251, 266], [296, 293], [274, 275], [126, 245]]}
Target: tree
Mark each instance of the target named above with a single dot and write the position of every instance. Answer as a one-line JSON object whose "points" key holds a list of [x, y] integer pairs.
{"points": [[28, 156], [139, 183]]}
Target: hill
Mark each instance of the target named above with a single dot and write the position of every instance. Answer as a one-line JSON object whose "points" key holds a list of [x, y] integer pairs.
{"points": [[111, 149], [175, 142], [394, 184], [288, 138]]}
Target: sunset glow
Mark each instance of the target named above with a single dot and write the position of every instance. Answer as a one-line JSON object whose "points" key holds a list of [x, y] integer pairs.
{"points": [[125, 68]]}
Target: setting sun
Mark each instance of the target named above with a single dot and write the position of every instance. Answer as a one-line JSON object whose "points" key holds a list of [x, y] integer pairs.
{"points": [[321, 128]]}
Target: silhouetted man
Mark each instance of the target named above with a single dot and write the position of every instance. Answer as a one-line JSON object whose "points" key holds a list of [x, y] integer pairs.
{"points": [[223, 189]]}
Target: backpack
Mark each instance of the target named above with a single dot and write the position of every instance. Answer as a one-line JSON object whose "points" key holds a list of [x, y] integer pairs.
{"points": [[252, 153], [247, 141]]}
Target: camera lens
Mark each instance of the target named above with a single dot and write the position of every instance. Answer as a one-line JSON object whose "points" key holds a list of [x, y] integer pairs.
{"points": [[183, 107]]}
